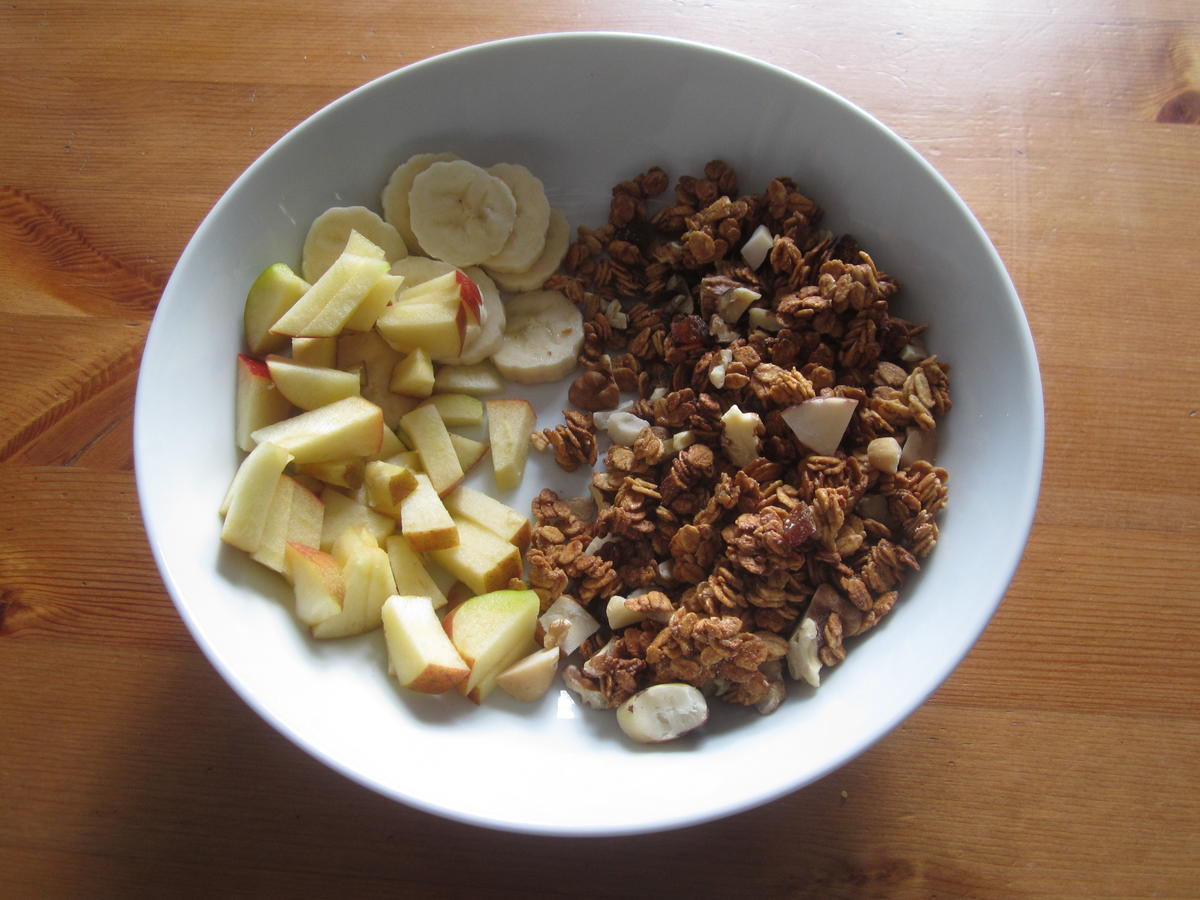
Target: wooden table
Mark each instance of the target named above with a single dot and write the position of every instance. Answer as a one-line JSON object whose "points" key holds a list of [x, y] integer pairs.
{"points": [[1062, 758]]}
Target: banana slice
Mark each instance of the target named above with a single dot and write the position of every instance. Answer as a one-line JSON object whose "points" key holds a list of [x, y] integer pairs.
{"points": [[487, 340], [528, 237], [554, 251], [460, 213], [395, 194], [542, 338], [330, 230]]}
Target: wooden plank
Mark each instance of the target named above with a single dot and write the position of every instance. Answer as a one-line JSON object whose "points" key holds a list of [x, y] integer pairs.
{"points": [[71, 383]]}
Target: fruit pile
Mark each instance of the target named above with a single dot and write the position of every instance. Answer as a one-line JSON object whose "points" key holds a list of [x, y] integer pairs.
{"points": [[359, 373]]}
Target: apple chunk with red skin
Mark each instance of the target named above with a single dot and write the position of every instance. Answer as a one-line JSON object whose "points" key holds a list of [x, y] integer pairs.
{"points": [[421, 654], [317, 582], [491, 632], [454, 284], [433, 316], [259, 401]]}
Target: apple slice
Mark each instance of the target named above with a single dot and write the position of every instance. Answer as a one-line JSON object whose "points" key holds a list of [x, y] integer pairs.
{"points": [[391, 444], [482, 560], [429, 437], [369, 583], [413, 375], [353, 540], [382, 293], [819, 423], [498, 518], [425, 523], [468, 450], [346, 428], [491, 631], [478, 380], [435, 326], [378, 360], [421, 654], [387, 485], [452, 287], [311, 387], [272, 540], [457, 409], [271, 295], [409, 571], [510, 424], [342, 513], [529, 678], [324, 308], [248, 500], [296, 514], [347, 473], [316, 581], [259, 402], [410, 459], [315, 351]]}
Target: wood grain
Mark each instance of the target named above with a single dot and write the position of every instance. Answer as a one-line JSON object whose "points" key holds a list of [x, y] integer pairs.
{"points": [[1058, 760]]}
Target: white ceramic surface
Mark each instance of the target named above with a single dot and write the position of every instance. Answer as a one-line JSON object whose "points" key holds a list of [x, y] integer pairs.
{"points": [[585, 111]]}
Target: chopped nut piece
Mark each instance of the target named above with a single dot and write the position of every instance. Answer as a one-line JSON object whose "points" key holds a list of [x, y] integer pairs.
{"points": [[716, 374], [884, 454], [755, 250], [733, 303], [554, 633], [803, 657], [740, 439], [662, 712], [583, 687], [624, 428], [764, 319], [721, 331]]}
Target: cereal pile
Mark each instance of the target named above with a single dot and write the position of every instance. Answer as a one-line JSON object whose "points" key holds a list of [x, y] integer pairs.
{"points": [[724, 537]]}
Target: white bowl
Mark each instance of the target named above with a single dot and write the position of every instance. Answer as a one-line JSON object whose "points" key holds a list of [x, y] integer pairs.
{"points": [[585, 111]]}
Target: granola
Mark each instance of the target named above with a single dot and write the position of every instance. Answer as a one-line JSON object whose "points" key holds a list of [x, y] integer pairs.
{"points": [[730, 543]]}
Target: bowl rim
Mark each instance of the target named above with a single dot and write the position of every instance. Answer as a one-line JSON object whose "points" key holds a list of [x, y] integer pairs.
{"points": [[143, 441]]}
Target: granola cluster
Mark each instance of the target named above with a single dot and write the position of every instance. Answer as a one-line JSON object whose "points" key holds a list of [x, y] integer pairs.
{"points": [[724, 533]]}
